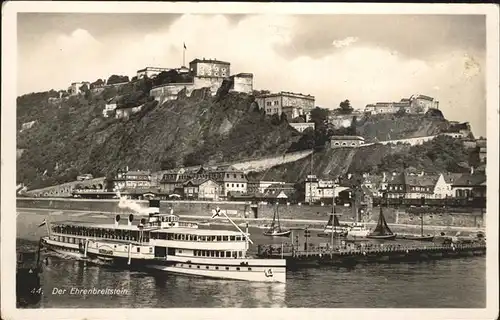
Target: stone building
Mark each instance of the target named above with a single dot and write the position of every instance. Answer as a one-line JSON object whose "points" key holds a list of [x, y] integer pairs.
{"points": [[74, 89], [205, 74], [292, 104], [242, 82], [346, 141], [318, 190], [151, 72]]}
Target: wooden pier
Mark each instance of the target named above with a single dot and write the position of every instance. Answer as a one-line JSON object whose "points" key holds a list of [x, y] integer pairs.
{"points": [[369, 253]]}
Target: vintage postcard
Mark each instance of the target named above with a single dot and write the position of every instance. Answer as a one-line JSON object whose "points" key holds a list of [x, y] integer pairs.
{"points": [[210, 160]]}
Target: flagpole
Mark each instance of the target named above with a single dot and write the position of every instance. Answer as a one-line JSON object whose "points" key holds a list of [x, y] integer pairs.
{"points": [[47, 225], [184, 55], [234, 224]]}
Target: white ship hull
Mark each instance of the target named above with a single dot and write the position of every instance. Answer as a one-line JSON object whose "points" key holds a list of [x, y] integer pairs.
{"points": [[245, 269], [257, 270]]}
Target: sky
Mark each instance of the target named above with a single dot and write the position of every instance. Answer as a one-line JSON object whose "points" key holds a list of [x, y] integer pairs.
{"points": [[363, 58]]}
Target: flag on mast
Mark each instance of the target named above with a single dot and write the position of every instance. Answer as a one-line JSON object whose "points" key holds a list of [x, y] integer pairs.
{"points": [[216, 213], [43, 223], [185, 46]]}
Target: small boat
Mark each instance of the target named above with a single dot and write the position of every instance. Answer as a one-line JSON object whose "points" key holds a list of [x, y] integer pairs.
{"points": [[333, 226], [382, 231], [204, 223], [275, 229], [358, 230], [421, 237]]}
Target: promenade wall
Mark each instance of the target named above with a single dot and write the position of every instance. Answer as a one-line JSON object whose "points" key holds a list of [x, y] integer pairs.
{"points": [[473, 219]]}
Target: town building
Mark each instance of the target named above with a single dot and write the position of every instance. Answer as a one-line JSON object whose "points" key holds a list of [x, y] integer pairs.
{"points": [[280, 191], [125, 179], [320, 190], [259, 186], [443, 186], [302, 126], [470, 185], [230, 180], [346, 141], [291, 104], [201, 189]]}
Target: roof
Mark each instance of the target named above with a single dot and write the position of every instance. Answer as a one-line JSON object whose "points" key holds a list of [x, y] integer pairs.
{"points": [[198, 181], [243, 75], [451, 177], [199, 232], [468, 179], [347, 138], [421, 96], [138, 172], [209, 60], [422, 181], [397, 179], [88, 224]]}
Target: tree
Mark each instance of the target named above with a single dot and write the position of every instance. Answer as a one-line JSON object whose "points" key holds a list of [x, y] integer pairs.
{"points": [[167, 163], [345, 107], [96, 84], [320, 118], [114, 79]]}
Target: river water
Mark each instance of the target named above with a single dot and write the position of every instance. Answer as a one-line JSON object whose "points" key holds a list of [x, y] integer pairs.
{"points": [[452, 283]]}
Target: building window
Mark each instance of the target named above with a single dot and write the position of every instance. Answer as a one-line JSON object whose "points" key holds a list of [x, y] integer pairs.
{"points": [[232, 185], [268, 103]]}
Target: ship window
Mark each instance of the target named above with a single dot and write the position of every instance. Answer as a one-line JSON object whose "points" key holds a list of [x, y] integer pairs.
{"points": [[232, 238], [207, 267], [115, 246], [249, 269], [150, 250], [198, 267], [216, 268], [228, 254], [240, 254], [227, 268], [180, 251], [238, 268], [216, 254], [219, 238], [190, 266], [138, 249], [235, 254], [212, 253]]}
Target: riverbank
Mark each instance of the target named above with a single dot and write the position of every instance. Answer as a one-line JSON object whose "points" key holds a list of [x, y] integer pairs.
{"points": [[294, 223], [239, 209]]}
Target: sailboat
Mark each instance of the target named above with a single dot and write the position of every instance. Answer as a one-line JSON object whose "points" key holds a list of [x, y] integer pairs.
{"points": [[275, 229], [357, 229], [421, 237], [333, 225], [382, 231]]}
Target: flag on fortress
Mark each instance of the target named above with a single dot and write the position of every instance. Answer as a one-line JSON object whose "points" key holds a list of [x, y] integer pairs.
{"points": [[216, 213], [185, 45]]}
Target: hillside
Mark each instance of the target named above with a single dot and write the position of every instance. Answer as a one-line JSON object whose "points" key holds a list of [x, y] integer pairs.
{"points": [[393, 126], [72, 137], [443, 154]]}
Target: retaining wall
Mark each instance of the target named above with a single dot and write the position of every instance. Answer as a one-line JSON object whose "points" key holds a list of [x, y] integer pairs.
{"points": [[241, 209]]}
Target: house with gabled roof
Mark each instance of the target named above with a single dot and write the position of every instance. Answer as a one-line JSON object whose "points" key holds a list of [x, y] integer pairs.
{"points": [[201, 189]]}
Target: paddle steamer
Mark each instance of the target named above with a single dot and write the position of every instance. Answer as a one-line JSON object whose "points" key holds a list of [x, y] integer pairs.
{"points": [[162, 242]]}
